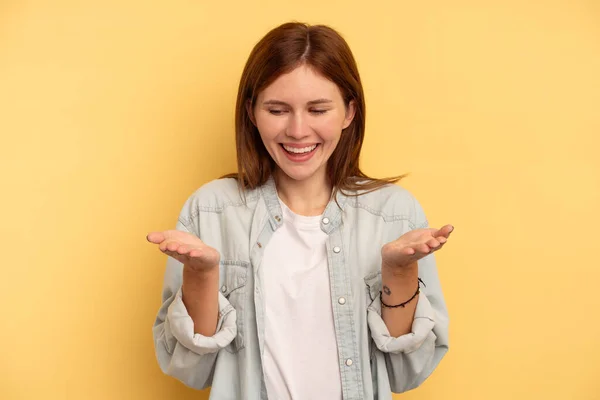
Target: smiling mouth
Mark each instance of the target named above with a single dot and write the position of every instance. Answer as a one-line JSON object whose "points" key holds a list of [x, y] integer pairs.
{"points": [[299, 150]]}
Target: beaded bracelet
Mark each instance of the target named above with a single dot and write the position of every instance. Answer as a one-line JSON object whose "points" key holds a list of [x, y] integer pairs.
{"points": [[407, 301]]}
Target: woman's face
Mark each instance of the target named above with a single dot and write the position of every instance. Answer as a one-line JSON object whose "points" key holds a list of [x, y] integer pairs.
{"points": [[300, 118]]}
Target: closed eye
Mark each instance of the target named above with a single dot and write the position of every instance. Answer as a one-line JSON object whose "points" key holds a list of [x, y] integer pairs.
{"points": [[318, 111], [275, 111]]}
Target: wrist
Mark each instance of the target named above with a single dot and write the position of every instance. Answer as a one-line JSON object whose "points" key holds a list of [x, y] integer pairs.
{"points": [[197, 282], [399, 286], [409, 270], [400, 280], [194, 277]]}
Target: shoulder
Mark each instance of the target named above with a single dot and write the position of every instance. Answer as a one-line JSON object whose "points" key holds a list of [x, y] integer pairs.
{"points": [[392, 203], [215, 196]]}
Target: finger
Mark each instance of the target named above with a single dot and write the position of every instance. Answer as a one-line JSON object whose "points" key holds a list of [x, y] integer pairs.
{"points": [[450, 229], [170, 245], [444, 231], [433, 243], [195, 253], [173, 254], [442, 241], [441, 246], [183, 249], [173, 245], [408, 251], [155, 237]]}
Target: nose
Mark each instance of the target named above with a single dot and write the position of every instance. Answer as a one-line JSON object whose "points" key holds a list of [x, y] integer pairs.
{"points": [[297, 127]]}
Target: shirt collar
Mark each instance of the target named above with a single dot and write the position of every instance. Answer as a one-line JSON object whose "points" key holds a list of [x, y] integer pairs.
{"points": [[332, 217]]}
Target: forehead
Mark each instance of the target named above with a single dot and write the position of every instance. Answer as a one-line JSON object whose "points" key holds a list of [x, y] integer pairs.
{"points": [[301, 84]]}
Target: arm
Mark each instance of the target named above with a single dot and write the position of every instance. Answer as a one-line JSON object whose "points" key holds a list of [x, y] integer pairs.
{"points": [[398, 287], [411, 357], [200, 295], [413, 339], [184, 331]]}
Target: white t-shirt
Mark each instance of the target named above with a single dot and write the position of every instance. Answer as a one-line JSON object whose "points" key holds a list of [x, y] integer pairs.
{"points": [[301, 356]]}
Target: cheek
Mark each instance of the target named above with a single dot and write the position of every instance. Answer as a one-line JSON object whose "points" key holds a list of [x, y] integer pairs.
{"points": [[269, 127], [329, 129]]}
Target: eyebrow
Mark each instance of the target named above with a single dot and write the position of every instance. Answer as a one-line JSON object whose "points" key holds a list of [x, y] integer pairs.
{"points": [[283, 103]]}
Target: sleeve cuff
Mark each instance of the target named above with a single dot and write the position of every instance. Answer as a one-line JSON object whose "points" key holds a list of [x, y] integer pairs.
{"points": [[181, 327], [422, 326]]}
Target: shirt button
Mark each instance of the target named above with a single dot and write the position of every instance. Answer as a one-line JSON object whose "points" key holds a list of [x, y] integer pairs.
{"points": [[325, 220], [336, 249], [349, 362], [342, 300], [223, 288]]}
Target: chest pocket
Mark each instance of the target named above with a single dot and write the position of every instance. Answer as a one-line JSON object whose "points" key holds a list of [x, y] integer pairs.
{"points": [[373, 286], [232, 284]]}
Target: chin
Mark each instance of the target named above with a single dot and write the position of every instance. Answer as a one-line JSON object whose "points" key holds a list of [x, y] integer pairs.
{"points": [[297, 175]]}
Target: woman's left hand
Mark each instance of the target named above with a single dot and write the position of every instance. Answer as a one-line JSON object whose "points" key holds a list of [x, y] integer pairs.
{"points": [[414, 245]]}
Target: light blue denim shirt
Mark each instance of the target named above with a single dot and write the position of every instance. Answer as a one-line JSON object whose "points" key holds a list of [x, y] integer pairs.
{"points": [[372, 362]]}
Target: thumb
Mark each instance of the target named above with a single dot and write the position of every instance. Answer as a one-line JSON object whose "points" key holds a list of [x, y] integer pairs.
{"points": [[155, 237]]}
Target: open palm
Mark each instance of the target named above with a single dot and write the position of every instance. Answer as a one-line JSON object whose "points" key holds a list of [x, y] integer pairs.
{"points": [[186, 248], [414, 245]]}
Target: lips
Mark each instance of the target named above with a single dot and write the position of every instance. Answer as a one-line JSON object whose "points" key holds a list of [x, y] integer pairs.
{"points": [[299, 149], [300, 153]]}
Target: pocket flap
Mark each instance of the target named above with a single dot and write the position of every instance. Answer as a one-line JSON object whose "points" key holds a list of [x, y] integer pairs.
{"points": [[232, 275], [373, 282]]}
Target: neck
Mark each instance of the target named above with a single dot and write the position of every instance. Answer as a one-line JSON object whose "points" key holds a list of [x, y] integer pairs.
{"points": [[309, 197]]}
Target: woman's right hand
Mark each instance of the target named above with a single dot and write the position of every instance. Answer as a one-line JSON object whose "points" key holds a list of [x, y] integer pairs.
{"points": [[187, 249]]}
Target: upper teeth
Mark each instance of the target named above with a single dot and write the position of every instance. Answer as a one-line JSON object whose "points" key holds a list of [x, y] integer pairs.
{"points": [[300, 150]]}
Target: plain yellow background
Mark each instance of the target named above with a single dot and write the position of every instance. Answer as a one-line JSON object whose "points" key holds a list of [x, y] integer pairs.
{"points": [[112, 113]]}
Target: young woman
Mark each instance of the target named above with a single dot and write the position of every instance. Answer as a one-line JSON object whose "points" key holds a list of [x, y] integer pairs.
{"points": [[300, 277]]}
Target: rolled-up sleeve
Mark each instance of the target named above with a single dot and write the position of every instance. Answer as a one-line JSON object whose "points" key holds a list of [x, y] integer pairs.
{"points": [[411, 358], [179, 328], [421, 331]]}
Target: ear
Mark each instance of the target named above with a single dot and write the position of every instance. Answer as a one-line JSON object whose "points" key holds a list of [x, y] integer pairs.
{"points": [[250, 111], [350, 112]]}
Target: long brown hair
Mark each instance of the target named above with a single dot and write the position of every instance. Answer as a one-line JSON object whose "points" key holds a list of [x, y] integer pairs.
{"points": [[281, 50]]}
